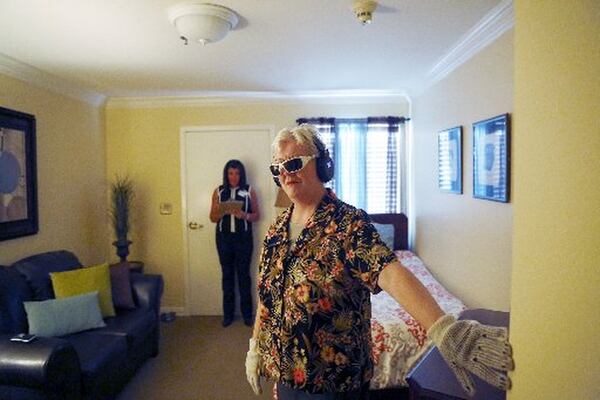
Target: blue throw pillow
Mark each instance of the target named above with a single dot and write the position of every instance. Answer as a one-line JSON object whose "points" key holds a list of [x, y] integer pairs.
{"points": [[64, 316], [386, 231]]}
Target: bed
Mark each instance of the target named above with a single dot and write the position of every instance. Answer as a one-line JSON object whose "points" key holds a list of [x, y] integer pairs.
{"points": [[398, 340]]}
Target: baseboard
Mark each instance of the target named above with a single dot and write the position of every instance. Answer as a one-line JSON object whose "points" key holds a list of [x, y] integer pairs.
{"points": [[181, 311], [177, 310]]}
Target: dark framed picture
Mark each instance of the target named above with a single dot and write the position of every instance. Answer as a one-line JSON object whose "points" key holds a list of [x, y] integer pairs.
{"points": [[18, 175], [491, 159], [450, 160]]}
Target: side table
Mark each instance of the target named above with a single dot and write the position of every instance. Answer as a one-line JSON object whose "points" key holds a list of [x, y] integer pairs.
{"points": [[432, 379], [134, 266]]}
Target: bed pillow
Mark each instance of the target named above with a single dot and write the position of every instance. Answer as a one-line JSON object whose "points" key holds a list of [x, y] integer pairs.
{"points": [[120, 283], [60, 317], [386, 231], [85, 280]]}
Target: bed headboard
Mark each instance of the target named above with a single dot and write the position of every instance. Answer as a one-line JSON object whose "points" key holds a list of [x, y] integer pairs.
{"points": [[400, 223]]}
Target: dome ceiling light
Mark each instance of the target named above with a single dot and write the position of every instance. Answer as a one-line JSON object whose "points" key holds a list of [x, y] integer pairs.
{"points": [[202, 22], [363, 10]]}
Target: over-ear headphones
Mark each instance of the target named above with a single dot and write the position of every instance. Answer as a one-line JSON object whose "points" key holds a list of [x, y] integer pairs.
{"points": [[324, 162]]}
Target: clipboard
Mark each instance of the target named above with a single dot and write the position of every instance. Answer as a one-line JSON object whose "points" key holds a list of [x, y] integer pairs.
{"points": [[228, 207]]}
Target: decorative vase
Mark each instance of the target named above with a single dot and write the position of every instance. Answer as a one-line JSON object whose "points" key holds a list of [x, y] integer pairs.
{"points": [[122, 246]]}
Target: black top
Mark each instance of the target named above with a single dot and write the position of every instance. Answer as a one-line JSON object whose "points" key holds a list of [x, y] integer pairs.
{"points": [[240, 193]]}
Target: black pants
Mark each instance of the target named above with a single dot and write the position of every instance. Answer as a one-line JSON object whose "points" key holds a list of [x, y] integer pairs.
{"points": [[285, 393], [235, 253]]}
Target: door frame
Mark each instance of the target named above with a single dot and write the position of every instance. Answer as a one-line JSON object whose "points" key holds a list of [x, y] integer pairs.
{"points": [[183, 131]]}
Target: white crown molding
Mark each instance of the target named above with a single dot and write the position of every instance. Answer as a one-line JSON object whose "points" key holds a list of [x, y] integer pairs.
{"points": [[34, 76], [223, 98], [499, 20]]}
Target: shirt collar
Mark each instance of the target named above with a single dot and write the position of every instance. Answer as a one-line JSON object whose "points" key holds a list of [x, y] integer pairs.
{"points": [[281, 235]]}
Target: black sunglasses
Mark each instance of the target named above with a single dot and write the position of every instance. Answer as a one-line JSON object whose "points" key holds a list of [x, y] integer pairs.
{"points": [[291, 165]]}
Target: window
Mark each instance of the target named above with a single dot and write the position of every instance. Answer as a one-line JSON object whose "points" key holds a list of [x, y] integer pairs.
{"points": [[368, 155]]}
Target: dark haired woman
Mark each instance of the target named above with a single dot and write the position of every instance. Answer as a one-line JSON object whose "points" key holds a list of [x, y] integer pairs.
{"points": [[234, 238]]}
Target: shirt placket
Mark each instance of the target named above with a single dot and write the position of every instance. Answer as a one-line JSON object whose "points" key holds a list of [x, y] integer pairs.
{"points": [[286, 254], [279, 283], [232, 218]]}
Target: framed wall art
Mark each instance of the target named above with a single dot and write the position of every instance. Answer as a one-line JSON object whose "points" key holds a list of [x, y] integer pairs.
{"points": [[491, 159], [18, 176], [450, 160]]}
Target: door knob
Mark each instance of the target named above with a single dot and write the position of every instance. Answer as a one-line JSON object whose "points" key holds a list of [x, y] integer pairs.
{"points": [[195, 225]]}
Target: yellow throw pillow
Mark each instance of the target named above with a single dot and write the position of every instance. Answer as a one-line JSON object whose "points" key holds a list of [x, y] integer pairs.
{"points": [[85, 280]]}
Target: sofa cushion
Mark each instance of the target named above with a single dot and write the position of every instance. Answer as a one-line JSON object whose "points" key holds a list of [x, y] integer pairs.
{"points": [[135, 325], [85, 280], [59, 317], [36, 270], [98, 353], [121, 286], [13, 292]]}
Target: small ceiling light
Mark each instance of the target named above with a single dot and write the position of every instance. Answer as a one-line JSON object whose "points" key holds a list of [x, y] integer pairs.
{"points": [[363, 10], [202, 22]]}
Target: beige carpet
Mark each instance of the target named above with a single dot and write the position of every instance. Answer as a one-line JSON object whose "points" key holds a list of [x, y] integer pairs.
{"points": [[198, 360]]}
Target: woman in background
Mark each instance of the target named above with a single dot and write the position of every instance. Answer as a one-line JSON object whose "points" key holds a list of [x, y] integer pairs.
{"points": [[234, 238]]}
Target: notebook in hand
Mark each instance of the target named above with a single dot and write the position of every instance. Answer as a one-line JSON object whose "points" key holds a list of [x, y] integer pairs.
{"points": [[228, 207]]}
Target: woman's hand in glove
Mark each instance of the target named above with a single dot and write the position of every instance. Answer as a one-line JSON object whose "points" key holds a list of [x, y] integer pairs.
{"points": [[467, 345], [252, 367]]}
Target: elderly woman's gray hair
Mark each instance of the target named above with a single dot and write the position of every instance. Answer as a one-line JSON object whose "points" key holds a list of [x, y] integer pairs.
{"points": [[304, 134]]}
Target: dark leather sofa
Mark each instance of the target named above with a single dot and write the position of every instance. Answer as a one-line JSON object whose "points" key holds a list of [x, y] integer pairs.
{"points": [[93, 364]]}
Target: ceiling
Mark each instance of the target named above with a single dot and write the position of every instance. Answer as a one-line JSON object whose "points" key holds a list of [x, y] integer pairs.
{"points": [[128, 48]]}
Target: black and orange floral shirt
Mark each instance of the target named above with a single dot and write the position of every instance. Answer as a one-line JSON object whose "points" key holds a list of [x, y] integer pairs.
{"points": [[315, 331]]}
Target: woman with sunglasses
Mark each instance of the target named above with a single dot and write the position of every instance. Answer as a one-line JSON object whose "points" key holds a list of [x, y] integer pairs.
{"points": [[234, 238], [320, 262]]}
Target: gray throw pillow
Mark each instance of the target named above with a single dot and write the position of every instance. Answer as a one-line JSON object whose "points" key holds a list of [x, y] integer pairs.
{"points": [[386, 231], [59, 317]]}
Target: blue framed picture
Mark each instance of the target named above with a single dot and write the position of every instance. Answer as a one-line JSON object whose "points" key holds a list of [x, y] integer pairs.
{"points": [[18, 176], [450, 160], [491, 159]]}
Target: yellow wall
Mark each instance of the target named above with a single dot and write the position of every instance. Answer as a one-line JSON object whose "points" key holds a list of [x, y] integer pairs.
{"points": [[466, 242], [70, 173], [144, 142], [556, 245]]}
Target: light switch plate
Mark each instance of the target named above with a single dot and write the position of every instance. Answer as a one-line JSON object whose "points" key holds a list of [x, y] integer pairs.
{"points": [[166, 208]]}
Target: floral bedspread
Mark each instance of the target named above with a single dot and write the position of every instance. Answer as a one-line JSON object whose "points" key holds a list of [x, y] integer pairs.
{"points": [[398, 340]]}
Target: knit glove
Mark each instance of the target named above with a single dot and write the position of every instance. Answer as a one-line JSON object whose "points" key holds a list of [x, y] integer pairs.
{"points": [[252, 367], [469, 346]]}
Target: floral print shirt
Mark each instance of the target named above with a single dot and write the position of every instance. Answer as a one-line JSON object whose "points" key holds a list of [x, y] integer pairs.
{"points": [[315, 332]]}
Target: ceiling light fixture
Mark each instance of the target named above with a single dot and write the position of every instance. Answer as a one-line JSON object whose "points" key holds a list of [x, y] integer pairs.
{"points": [[363, 10], [202, 22]]}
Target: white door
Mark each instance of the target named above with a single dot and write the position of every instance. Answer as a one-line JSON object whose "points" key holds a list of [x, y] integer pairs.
{"points": [[204, 151]]}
